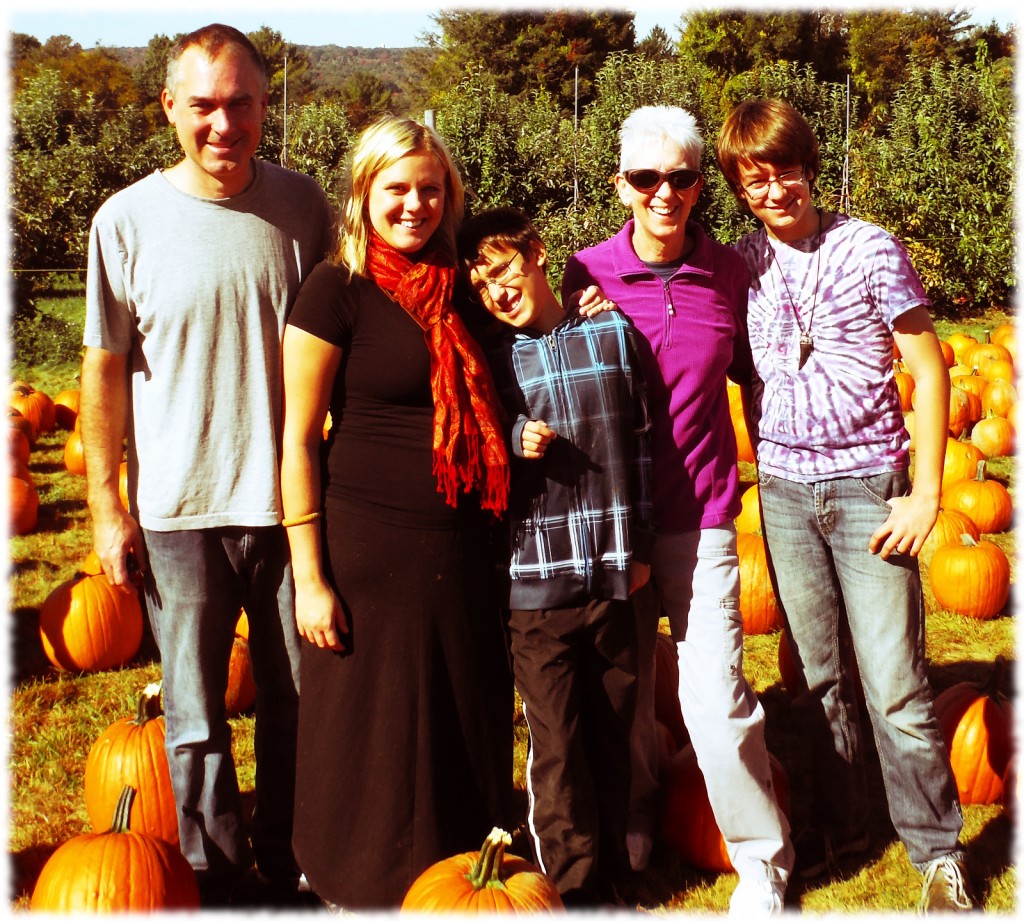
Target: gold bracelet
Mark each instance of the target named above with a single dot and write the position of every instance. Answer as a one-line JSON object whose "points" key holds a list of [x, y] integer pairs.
{"points": [[301, 519]]}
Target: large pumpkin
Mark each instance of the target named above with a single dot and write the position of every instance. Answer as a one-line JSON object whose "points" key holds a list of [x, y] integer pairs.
{"points": [[23, 510], [18, 446], [483, 881], [35, 406], [758, 605], [666, 688], [66, 405], [977, 724], [241, 690], [116, 870], [748, 521], [74, 455], [744, 446], [131, 751], [993, 436], [972, 578], [688, 825], [950, 524], [87, 624], [998, 397], [986, 502]]}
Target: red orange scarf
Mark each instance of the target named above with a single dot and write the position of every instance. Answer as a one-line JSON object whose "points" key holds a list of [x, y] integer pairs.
{"points": [[469, 449]]}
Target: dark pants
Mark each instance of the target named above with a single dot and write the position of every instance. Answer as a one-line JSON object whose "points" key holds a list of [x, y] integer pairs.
{"points": [[575, 669]]}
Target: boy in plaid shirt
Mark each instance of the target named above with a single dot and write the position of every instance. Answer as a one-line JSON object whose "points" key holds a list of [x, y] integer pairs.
{"points": [[579, 519]]}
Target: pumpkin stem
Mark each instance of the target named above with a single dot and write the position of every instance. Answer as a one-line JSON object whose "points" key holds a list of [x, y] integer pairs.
{"points": [[980, 475], [149, 704], [123, 811], [486, 872], [996, 678]]}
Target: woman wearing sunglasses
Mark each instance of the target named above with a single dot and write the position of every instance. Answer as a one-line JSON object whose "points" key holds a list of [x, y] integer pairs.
{"points": [[687, 296]]}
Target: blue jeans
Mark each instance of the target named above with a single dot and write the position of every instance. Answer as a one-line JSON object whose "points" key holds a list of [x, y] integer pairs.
{"points": [[195, 584], [846, 607]]}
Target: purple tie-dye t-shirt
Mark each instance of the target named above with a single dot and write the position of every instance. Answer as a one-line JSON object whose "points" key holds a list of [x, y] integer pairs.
{"points": [[838, 415]]}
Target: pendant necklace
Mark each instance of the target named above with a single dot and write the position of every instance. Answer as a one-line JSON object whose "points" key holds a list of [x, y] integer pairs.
{"points": [[806, 342]]}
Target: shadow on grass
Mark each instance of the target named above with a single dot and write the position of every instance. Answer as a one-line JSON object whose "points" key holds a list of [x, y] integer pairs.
{"points": [[25, 866]]}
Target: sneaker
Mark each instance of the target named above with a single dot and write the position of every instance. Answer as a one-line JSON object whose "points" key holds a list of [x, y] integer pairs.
{"points": [[639, 844], [815, 851], [758, 894], [946, 886]]}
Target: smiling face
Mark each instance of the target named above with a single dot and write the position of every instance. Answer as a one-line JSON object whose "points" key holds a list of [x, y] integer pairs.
{"points": [[786, 209], [659, 231], [513, 288], [217, 106], [405, 203]]}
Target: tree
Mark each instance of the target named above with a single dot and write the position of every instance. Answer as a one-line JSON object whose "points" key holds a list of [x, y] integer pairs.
{"points": [[365, 98], [656, 45], [320, 140], [557, 51]]}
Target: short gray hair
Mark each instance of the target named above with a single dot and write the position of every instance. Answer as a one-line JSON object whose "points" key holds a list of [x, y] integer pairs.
{"points": [[651, 125]]}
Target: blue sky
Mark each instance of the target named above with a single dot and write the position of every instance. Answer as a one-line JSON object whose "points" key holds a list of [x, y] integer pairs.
{"points": [[391, 23]]}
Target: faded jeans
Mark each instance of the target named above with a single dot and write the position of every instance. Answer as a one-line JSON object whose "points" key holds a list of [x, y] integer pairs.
{"points": [[817, 537], [195, 584], [696, 579]]}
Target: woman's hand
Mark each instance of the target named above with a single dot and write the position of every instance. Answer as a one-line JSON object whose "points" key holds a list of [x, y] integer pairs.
{"points": [[535, 438], [319, 615]]}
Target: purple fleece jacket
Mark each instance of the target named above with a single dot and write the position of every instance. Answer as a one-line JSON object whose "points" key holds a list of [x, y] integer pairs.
{"points": [[693, 333]]}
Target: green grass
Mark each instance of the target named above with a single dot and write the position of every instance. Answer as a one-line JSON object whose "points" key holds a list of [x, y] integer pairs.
{"points": [[55, 716]]}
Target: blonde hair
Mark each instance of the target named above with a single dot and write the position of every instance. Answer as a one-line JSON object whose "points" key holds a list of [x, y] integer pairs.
{"points": [[381, 145]]}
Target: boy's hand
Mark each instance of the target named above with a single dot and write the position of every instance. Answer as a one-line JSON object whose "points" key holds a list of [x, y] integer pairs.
{"points": [[535, 437], [592, 301]]}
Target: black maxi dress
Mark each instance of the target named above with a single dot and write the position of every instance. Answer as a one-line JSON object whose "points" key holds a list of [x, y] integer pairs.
{"points": [[405, 739]]}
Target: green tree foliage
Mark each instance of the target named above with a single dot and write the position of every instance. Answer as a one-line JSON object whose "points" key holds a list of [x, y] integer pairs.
{"points": [[940, 177], [365, 98], [557, 51], [319, 140]]}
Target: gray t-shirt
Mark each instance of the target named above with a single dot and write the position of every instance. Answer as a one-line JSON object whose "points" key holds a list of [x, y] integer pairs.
{"points": [[195, 291]]}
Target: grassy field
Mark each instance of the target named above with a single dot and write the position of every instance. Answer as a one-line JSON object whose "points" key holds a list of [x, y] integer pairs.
{"points": [[55, 716]]}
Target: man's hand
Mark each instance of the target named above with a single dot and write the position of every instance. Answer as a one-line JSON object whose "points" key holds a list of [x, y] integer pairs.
{"points": [[535, 438]]}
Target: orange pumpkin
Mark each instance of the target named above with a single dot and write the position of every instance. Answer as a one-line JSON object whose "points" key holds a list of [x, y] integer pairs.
{"points": [[131, 751], [950, 524], [241, 690], [66, 405], [242, 625], [688, 825], [484, 881], [977, 356], [23, 510], [18, 445], [977, 724], [748, 521], [74, 456], [996, 370], [948, 355], [758, 605], [116, 870], [986, 502], [972, 578], [960, 463], [744, 446], [998, 397], [35, 406], [87, 624], [960, 342], [972, 383], [122, 484], [905, 386], [993, 436]]}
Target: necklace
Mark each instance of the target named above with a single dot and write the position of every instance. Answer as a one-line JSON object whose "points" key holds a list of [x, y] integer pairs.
{"points": [[806, 342]]}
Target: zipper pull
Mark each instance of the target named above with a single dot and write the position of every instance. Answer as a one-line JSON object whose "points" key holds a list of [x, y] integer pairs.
{"points": [[668, 297]]}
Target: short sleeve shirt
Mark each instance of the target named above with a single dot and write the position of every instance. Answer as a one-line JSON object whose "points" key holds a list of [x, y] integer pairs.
{"points": [[839, 414]]}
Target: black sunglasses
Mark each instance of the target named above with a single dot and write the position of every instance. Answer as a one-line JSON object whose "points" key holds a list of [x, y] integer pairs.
{"points": [[647, 180]]}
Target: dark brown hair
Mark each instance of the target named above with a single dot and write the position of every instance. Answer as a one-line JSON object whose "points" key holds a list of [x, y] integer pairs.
{"points": [[497, 227]]}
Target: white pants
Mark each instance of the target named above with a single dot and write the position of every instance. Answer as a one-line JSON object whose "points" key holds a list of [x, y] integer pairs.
{"points": [[696, 584]]}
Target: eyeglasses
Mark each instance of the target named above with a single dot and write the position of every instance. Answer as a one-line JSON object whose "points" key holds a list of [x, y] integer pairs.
{"points": [[759, 188], [648, 180], [501, 276]]}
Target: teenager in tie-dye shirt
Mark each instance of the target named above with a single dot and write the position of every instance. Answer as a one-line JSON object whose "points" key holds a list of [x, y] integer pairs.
{"points": [[829, 297]]}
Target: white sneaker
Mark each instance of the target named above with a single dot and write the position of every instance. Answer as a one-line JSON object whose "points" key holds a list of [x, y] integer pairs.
{"points": [[758, 894], [639, 845]]}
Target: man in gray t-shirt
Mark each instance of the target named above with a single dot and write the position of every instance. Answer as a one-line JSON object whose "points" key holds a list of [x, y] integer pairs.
{"points": [[191, 273]]}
